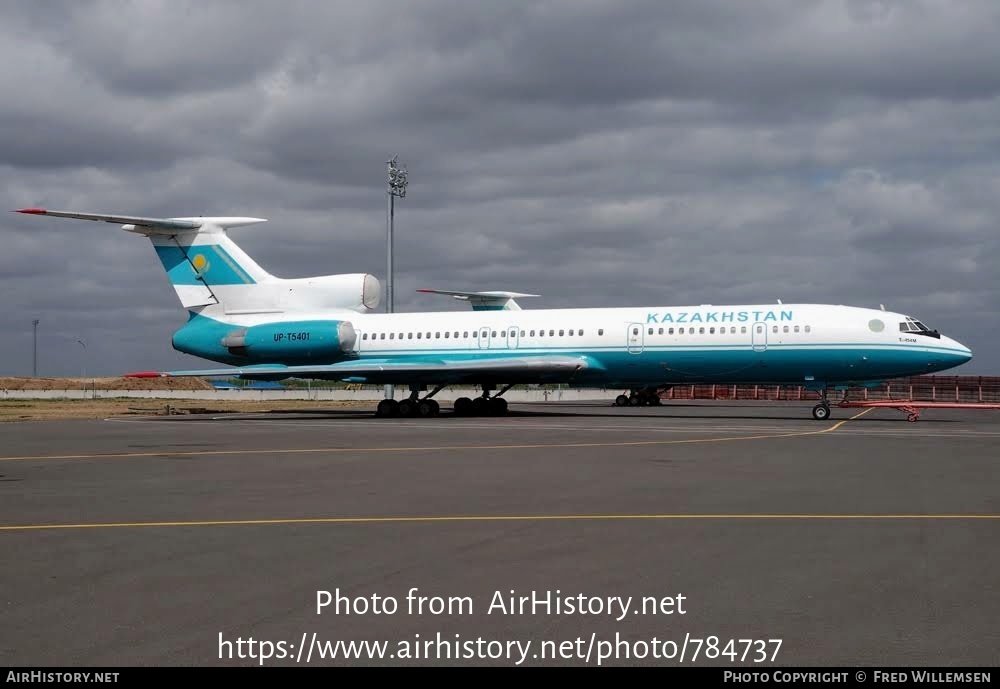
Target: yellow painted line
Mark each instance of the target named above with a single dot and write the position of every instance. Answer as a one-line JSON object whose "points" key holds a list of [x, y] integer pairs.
{"points": [[509, 518], [439, 448]]}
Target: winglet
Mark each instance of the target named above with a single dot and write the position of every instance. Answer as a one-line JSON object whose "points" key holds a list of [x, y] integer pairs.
{"points": [[145, 374]]}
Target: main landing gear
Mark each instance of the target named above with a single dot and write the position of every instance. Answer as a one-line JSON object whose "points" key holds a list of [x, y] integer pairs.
{"points": [[416, 407], [639, 398], [483, 405], [412, 406]]}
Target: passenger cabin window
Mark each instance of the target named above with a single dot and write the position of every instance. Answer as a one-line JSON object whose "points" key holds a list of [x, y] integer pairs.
{"points": [[808, 328], [760, 329], [796, 328], [635, 331], [600, 331], [785, 329], [743, 330]]}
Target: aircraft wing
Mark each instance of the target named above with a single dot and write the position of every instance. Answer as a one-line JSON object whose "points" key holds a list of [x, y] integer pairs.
{"points": [[485, 301], [527, 369]]}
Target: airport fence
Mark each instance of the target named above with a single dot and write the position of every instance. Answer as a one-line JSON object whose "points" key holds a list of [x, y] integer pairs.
{"points": [[921, 388]]}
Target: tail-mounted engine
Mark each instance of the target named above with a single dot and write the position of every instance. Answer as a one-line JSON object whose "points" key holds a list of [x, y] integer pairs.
{"points": [[293, 341]]}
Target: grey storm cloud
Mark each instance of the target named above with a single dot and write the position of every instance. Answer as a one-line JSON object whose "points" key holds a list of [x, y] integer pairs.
{"points": [[595, 153]]}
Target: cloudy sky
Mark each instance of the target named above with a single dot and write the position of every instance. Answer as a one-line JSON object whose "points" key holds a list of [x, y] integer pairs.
{"points": [[597, 153]]}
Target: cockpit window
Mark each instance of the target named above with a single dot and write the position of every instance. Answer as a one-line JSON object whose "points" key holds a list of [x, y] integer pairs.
{"points": [[912, 325]]}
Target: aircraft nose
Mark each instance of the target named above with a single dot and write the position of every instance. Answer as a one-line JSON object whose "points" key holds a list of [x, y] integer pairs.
{"points": [[962, 351]]}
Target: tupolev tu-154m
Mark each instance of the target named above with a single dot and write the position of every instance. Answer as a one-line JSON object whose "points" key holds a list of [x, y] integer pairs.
{"points": [[269, 328]]}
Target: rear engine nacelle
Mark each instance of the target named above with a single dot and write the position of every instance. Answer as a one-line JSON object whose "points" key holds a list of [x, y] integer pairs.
{"points": [[293, 341]]}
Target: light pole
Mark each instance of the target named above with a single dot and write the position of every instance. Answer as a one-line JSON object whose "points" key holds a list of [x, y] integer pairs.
{"points": [[83, 362], [396, 186], [34, 350]]}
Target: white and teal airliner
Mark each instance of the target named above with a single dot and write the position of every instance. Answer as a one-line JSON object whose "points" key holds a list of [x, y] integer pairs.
{"points": [[327, 327]]}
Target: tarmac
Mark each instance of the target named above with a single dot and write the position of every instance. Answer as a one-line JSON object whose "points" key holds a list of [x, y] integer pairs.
{"points": [[743, 535]]}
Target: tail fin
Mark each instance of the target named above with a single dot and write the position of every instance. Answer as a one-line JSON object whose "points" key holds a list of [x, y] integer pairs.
{"points": [[205, 265], [214, 277]]}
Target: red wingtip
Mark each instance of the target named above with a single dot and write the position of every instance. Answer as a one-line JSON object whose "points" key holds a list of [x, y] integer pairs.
{"points": [[425, 290], [32, 211], [144, 374]]}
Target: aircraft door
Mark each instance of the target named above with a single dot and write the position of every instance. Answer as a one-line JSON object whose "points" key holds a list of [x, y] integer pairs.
{"points": [[484, 338], [512, 338], [633, 338], [759, 337]]}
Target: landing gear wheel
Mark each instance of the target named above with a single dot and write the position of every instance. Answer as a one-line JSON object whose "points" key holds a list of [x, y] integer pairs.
{"points": [[479, 406], [387, 409], [655, 401], [436, 408], [463, 406], [407, 408], [497, 406], [426, 408], [821, 412], [634, 401], [621, 401]]}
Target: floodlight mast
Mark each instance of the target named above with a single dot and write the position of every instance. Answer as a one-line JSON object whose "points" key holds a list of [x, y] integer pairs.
{"points": [[396, 186]]}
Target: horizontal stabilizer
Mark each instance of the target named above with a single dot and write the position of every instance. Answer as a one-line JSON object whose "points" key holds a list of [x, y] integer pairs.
{"points": [[148, 224], [485, 301]]}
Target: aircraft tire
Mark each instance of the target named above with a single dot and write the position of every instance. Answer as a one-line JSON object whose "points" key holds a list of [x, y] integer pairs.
{"points": [[821, 412], [387, 409], [407, 407], [463, 406], [425, 409], [621, 401], [498, 406]]}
